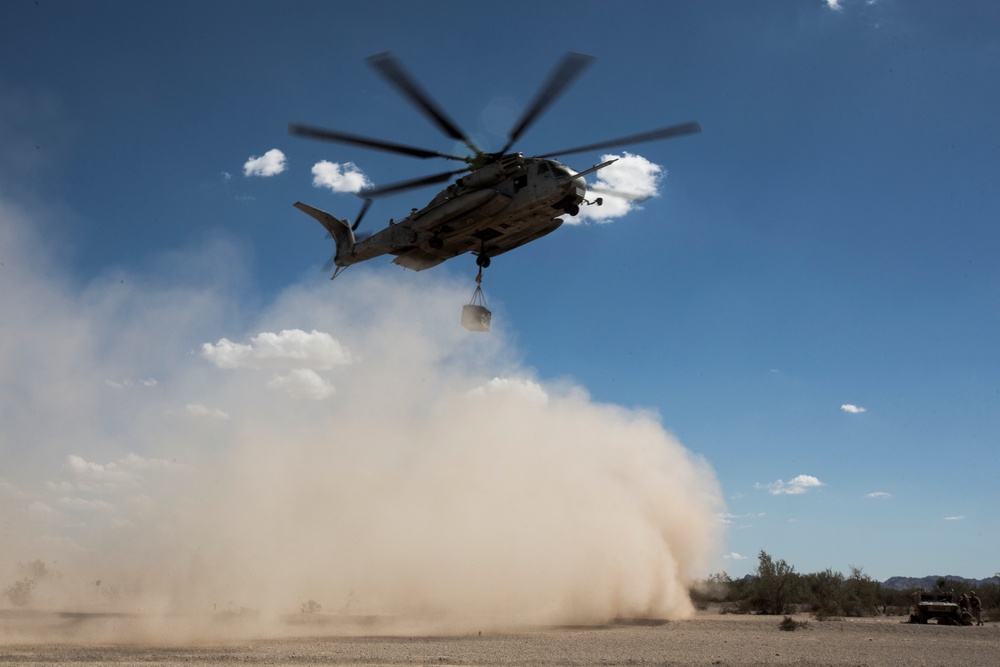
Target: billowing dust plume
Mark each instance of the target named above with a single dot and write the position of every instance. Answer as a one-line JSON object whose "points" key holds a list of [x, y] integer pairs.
{"points": [[346, 451]]}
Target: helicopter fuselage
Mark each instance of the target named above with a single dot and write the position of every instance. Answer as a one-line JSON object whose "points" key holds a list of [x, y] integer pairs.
{"points": [[496, 208], [504, 201]]}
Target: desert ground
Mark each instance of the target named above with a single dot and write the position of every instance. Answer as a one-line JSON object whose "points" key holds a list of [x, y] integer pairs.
{"points": [[706, 639]]}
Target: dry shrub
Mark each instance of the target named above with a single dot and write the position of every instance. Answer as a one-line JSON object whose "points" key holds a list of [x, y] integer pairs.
{"points": [[826, 615], [20, 592], [790, 624], [311, 607]]}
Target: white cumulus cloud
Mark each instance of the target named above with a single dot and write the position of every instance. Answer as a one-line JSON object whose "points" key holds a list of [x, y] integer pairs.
{"points": [[793, 487], [84, 504], [853, 409], [631, 175], [303, 383], [126, 384], [270, 163], [88, 472], [339, 177], [738, 520], [199, 410], [289, 349], [878, 494], [732, 555], [126, 473], [525, 388]]}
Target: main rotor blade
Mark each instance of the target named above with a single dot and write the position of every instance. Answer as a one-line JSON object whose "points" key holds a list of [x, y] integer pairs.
{"points": [[371, 193], [393, 72], [565, 73], [361, 214], [653, 135], [356, 140]]}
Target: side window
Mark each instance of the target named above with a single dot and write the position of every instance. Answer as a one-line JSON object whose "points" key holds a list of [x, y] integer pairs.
{"points": [[520, 182]]}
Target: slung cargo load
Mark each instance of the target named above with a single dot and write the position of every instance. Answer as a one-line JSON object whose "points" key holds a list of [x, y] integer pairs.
{"points": [[475, 315]]}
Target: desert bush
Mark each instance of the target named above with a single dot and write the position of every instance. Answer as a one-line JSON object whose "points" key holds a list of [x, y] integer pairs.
{"points": [[740, 589], [860, 594], [714, 588], [821, 592], [738, 607], [36, 570], [944, 584], [777, 589], [234, 613], [311, 607], [790, 624], [19, 593], [775, 586], [990, 596]]}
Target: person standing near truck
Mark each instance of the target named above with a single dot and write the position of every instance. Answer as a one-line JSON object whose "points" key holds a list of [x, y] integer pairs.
{"points": [[977, 607]]}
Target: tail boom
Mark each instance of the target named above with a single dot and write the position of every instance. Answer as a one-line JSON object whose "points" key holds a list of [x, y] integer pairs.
{"points": [[339, 229]]}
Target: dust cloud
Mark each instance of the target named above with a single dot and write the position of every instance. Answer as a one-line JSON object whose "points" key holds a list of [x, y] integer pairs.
{"points": [[343, 454]]}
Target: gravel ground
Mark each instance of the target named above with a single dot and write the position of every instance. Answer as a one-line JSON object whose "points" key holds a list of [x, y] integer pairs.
{"points": [[707, 639]]}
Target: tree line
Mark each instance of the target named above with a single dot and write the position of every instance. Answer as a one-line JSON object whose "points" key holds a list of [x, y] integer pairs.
{"points": [[776, 588]]}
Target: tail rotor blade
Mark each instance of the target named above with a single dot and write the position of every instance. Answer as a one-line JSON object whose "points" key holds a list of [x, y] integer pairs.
{"points": [[361, 214]]}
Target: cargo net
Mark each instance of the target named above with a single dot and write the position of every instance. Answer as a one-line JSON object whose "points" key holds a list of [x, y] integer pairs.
{"points": [[475, 315]]}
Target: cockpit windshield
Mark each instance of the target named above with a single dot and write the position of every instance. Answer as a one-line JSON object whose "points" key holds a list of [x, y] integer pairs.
{"points": [[561, 170]]}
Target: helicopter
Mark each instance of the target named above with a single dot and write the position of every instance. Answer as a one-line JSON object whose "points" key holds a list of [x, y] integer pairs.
{"points": [[504, 200]]}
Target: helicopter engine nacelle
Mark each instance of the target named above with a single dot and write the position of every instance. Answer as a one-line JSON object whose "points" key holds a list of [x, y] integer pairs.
{"points": [[492, 173], [489, 175]]}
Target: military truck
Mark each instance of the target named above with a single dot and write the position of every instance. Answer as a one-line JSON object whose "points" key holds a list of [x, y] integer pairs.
{"points": [[938, 606]]}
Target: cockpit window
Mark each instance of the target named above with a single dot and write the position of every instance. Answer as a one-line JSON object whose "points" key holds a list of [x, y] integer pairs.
{"points": [[543, 167]]}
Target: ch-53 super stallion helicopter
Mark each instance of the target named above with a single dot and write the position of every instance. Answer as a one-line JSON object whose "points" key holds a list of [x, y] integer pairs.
{"points": [[505, 201]]}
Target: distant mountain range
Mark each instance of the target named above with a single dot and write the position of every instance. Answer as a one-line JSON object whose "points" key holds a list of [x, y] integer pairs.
{"points": [[927, 583]]}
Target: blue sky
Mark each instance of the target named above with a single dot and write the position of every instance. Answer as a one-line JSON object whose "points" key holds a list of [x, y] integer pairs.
{"points": [[809, 305]]}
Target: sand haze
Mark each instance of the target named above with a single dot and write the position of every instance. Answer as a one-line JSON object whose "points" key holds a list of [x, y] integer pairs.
{"points": [[167, 451]]}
